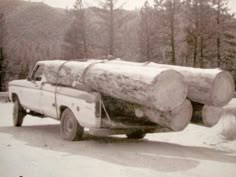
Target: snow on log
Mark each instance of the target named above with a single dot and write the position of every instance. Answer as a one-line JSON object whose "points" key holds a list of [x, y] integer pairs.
{"points": [[176, 120], [230, 108], [207, 86], [206, 115], [159, 88]]}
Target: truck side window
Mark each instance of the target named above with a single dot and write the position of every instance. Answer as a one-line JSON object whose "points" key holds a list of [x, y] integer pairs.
{"points": [[38, 73]]}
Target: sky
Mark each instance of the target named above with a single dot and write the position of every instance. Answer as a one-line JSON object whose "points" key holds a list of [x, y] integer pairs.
{"points": [[130, 4]]}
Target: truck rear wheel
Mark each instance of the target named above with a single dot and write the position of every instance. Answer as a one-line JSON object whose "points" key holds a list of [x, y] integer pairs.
{"points": [[71, 130], [136, 135], [18, 113]]}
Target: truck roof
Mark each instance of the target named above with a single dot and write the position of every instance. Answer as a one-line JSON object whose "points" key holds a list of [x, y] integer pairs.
{"points": [[46, 62]]}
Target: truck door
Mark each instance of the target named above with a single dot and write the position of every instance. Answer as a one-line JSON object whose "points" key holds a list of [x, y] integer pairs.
{"points": [[32, 94], [48, 100]]}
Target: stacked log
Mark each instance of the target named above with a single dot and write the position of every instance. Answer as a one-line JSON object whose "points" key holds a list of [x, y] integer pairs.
{"points": [[176, 120], [211, 88], [206, 115], [153, 90]]}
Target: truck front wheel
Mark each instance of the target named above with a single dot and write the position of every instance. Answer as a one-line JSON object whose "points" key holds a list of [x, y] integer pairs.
{"points": [[18, 113], [71, 130]]}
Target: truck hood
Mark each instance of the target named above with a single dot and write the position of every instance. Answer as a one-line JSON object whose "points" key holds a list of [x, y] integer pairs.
{"points": [[18, 82]]}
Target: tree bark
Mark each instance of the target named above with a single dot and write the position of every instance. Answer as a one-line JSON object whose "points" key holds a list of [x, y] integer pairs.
{"points": [[158, 88]]}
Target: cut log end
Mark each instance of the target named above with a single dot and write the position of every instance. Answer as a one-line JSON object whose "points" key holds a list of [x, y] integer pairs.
{"points": [[170, 90], [222, 89], [176, 120], [211, 115], [182, 116]]}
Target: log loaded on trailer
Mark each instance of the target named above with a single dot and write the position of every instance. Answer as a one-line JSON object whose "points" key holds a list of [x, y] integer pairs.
{"points": [[106, 97]]}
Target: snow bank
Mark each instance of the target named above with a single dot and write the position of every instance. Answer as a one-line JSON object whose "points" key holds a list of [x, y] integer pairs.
{"points": [[229, 126]]}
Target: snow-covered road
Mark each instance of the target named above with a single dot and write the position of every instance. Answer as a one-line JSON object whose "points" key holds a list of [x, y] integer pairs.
{"points": [[36, 149]]}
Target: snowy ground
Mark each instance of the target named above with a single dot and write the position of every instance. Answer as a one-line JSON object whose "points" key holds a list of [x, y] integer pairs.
{"points": [[36, 149]]}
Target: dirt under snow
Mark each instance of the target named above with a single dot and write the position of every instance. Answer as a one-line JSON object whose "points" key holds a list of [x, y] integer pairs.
{"points": [[36, 149]]}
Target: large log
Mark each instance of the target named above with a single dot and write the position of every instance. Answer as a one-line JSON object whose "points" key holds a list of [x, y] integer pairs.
{"points": [[212, 87], [159, 88], [206, 115], [176, 120]]}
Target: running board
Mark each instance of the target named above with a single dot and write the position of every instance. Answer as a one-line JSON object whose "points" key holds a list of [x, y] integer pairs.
{"points": [[107, 132]]}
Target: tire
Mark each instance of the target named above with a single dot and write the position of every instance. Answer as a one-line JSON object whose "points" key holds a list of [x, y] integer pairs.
{"points": [[18, 113], [136, 135], [71, 130]]}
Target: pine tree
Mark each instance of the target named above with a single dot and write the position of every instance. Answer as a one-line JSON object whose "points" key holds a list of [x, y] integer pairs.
{"points": [[113, 19], [76, 37], [171, 12], [145, 33], [111, 8], [2, 53], [152, 32], [225, 37], [199, 30]]}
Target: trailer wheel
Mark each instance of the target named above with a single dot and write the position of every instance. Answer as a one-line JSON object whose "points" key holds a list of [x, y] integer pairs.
{"points": [[71, 130], [136, 135], [18, 113]]}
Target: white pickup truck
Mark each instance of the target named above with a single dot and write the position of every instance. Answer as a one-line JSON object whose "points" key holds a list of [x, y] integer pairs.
{"points": [[76, 109]]}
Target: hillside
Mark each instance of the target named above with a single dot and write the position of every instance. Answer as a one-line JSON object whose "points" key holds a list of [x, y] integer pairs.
{"points": [[35, 31]]}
